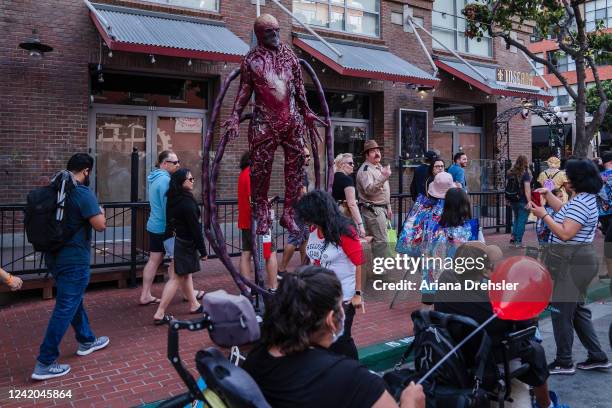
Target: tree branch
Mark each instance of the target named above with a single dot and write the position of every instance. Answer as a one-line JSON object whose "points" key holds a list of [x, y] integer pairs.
{"points": [[600, 113], [551, 67]]}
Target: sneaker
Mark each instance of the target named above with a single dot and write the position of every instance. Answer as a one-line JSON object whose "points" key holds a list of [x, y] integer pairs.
{"points": [[592, 364], [44, 372], [88, 348], [558, 368], [280, 275]]}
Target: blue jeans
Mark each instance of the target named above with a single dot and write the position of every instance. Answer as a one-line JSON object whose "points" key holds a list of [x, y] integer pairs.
{"points": [[520, 219], [70, 281]]}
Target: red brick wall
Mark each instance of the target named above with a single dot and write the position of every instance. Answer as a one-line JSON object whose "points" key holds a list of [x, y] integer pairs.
{"points": [[44, 106]]}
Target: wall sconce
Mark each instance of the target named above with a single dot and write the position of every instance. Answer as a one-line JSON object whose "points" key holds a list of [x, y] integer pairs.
{"points": [[35, 48]]}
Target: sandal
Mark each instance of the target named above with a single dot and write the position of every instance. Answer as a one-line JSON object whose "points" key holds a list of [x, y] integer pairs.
{"points": [[199, 310], [164, 320], [199, 294], [155, 301]]}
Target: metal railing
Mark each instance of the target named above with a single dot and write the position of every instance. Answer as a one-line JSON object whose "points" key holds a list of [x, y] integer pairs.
{"points": [[124, 243]]}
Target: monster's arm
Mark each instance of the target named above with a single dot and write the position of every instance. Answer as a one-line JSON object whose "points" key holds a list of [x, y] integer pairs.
{"points": [[300, 92], [242, 99]]}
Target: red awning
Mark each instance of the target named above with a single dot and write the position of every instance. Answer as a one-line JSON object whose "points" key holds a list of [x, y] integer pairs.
{"points": [[141, 31], [487, 82], [365, 61]]}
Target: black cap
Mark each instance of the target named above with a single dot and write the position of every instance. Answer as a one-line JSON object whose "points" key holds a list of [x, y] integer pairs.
{"points": [[430, 155], [606, 157]]}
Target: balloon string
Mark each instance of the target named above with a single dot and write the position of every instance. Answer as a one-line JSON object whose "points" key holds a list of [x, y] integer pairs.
{"points": [[457, 347]]}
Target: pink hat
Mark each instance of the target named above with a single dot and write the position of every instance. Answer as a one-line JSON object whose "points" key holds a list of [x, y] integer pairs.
{"points": [[441, 184]]}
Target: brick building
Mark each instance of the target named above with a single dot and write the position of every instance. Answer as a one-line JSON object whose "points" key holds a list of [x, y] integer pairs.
{"points": [[143, 74]]}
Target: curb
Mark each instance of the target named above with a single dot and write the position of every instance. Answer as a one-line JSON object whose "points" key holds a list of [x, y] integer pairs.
{"points": [[383, 356]]}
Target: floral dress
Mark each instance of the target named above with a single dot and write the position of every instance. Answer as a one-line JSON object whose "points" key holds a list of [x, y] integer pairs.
{"points": [[425, 210], [441, 243]]}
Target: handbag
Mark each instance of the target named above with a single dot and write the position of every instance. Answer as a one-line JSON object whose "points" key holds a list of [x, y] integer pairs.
{"points": [[391, 234], [186, 259]]}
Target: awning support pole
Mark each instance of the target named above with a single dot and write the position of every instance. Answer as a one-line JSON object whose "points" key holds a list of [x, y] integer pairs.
{"points": [[535, 69], [307, 27], [100, 18], [431, 61], [449, 50]]}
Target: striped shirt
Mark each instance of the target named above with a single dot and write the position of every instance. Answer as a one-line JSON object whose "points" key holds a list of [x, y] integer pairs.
{"points": [[582, 209]]}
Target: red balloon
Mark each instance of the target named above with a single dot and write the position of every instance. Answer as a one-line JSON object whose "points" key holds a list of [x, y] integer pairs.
{"points": [[521, 288]]}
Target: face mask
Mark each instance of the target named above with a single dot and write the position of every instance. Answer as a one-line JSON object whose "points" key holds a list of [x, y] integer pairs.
{"points": [[336, 336]]}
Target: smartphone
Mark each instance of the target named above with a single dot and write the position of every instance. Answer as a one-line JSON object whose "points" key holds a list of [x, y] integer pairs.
{"points": [[536, 197]]}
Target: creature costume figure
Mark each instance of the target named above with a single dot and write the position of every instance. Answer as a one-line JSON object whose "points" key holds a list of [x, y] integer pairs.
{"points": [[280, 117]]}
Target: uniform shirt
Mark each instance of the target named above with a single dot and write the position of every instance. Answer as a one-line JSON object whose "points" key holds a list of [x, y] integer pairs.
{"points": [[582, 209], [341, 259], [81, 205], [244, 199], [372, 186], [314, 377]]}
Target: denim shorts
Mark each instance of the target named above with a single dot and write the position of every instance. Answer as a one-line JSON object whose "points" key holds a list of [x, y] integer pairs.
{"points": [[298, 239], [169, 247]]}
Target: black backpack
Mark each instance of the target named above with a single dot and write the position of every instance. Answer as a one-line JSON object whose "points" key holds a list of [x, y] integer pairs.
{"points": [[456, 382], [513, 189], [44, 221]]}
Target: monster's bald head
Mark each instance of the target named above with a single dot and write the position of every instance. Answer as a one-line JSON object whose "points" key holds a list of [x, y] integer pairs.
{"points": [[267, 31]]}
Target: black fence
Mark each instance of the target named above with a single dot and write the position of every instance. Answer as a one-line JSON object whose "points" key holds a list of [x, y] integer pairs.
{"points": [[124, 243]]}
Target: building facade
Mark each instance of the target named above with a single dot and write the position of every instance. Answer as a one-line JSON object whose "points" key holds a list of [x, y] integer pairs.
{"points": [[595, 12], [144, 75]]}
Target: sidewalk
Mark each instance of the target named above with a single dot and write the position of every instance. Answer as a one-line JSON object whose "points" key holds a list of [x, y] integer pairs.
{"points": [[134, 369], [586, 388]]}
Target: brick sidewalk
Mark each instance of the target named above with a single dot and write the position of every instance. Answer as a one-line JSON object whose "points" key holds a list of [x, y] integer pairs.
{"points": [[134, 369]]}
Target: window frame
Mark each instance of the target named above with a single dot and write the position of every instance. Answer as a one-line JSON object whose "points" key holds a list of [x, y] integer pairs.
{"points": [[590, 16], [167, 3], [344, 5], [459, 35]]}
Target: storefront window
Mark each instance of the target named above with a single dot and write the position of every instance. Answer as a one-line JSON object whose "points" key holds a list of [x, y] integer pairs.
{"points": [[449, 28], [210, 5], [350, 116], [352, 16], [146, 114], [598, 11], [123, 89]]}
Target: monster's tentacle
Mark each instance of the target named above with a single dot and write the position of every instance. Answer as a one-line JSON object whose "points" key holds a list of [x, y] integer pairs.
{"points": [[329, 142]]}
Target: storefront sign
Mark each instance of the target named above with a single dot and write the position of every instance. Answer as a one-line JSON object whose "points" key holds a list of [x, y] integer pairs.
{"points": [[412, 135], [188, 125], [511, 77]]}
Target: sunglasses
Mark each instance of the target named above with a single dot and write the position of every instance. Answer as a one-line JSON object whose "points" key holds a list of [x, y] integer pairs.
{"points": [[173, 162], [350, 163], [191, 179], [439, 166], [307, 156]]}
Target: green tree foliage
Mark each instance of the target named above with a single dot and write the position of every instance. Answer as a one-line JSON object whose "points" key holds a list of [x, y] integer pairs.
{"points": [[563, 22], [593, 102]]}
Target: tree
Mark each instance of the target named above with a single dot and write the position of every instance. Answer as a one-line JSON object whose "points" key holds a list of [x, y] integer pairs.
{"points": [[563, 21], [593, 102]]}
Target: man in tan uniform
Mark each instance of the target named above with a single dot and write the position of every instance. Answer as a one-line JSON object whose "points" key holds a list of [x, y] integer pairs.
{"points": [[374, 197]]}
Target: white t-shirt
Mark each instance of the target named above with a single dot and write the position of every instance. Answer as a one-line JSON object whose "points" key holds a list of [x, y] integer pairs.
{"points": [[341, 259], [582, 209]]}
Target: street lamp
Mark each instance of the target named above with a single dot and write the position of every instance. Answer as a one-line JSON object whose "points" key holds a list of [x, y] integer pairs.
{"points": [[35, 48]]}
